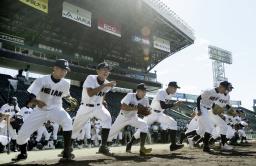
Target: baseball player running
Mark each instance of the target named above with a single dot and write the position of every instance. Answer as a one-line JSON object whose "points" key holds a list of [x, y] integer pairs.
{"points": [[158, 105], [47, 93], [94, 89], [218, 120], [205, 102], [128, 116]]}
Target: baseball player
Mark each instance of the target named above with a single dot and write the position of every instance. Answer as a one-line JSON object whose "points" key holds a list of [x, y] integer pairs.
{"points": [[204, 103], [221, 125], [161, 102], [128, 116], [11, 108], [94, 89], [47, 93]]}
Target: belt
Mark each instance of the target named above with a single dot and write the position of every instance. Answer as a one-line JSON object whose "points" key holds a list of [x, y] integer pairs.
{"points": [[157, 111], [90, 105]]}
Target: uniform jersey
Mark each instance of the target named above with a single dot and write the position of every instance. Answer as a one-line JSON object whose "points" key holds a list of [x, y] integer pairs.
{"points": [[162, 95], [224, 99], [229, 119], [209, 97], [91, 82], [131, 99], [25, 112], [50, 92], [8, 109]]}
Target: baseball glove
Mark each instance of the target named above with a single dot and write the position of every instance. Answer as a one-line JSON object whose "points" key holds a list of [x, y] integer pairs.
{"points": [[144, 111], [231, 111], [217, 110], [72, 103]]}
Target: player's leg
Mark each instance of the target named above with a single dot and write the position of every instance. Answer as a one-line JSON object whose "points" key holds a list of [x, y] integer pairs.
{"points": [[118, 125], [172, 126], [35, 120], [13, 136], [83, 115], [150, 119], [61, 117], [103, 114], [143, 126], [205, 126]]}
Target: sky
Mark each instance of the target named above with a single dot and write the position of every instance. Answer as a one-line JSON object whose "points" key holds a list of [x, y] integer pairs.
{"points": [[228, 24]]}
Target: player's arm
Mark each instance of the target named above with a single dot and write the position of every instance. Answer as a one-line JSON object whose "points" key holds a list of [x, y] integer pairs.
{"points": [[127, 107], [170, 105], [33, 100], [94, 91], [199, 98]]}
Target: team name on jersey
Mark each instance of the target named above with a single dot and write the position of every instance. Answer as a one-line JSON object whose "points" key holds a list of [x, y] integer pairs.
{"points": [[9, 110], [213, 98], [51, 92], [101, 94], [223, 101]]}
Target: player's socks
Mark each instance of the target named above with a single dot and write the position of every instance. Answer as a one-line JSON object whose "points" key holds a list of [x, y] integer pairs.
{"points": [[182, 137], [143, 150], [206, 139], [23, 153], [104, 148], [223, 139], [174, 145], [14, 144], [54, 142], [129, 145], [191, 134], [104, 134], [67, 145]]}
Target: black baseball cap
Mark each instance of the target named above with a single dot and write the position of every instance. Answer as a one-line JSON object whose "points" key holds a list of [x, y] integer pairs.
{"points": [[62, 63], [173, 84], [103, 65], [230, 86], [141, 86], [225, 84]]}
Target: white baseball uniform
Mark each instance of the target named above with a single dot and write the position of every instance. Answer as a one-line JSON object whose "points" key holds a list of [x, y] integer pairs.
{"points": [[231, 131], [8, 109], [91, 107], [157, 114], [50, 93], [224, 99], [129, 117], [205, 124]]}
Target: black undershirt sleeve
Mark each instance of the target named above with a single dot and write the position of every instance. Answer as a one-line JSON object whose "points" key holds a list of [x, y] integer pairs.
{"points": [[198, 102], [31, 96], [164, 105]]}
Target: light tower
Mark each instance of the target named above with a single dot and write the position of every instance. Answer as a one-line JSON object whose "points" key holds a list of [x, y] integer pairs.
{"points": [[219, 57]]}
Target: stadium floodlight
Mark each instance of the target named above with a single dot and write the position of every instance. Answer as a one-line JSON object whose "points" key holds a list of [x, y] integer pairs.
{"points": [[219, 57]]}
